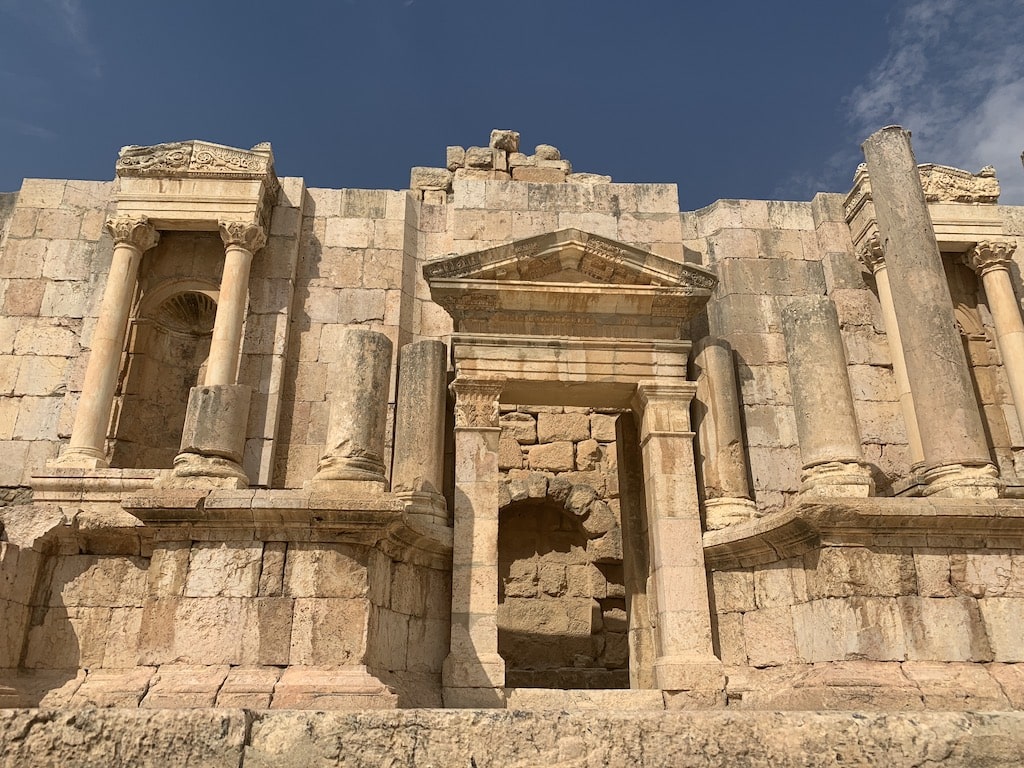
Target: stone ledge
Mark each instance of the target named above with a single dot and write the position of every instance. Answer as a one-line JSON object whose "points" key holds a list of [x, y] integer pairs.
{"points": [[889, 522], [488, 739]]}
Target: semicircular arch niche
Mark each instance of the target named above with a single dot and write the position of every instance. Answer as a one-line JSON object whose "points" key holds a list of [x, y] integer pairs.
{"points": [[561, 600], [168, 345]]}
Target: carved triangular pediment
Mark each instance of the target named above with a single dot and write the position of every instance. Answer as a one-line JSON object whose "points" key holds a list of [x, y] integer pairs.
{"points": [[570, 256], [569, 283]]}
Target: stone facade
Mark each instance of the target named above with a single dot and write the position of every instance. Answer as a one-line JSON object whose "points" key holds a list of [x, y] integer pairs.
{"points": [[515, 436]]}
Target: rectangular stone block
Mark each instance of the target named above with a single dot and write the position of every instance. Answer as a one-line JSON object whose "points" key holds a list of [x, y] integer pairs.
{"points": [[224, 569], [325, 570], [944, 629], [184, 687], [327, 631]]}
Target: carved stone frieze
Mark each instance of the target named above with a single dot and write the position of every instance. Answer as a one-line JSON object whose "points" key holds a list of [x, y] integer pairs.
{"points": [[252, 237], [135, 231], [196, 158], [990, 254], [476, 402], [943, 183]]}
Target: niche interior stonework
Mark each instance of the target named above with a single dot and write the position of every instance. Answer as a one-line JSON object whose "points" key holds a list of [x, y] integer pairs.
{"points": [[283, 468]]}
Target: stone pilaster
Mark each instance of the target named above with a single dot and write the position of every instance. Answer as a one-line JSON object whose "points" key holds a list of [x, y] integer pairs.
{"points": [[991, 260], [830, 449], [956, 456], [474, 672], [87, 448], [684, 659], [720, 437], [353, 459], [417, 470], [872, 256]]}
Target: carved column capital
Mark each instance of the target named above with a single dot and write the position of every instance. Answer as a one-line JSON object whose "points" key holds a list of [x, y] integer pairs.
{"points": [[135, 231], [990, 254], [476, 402], [251, 237], [871, 253]]}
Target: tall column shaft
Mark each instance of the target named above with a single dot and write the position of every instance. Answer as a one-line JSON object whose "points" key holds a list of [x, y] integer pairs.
{"points": [[474, 673], [241, 241], [720, 436], [359, 410], [132, 237], [826, 424], [417, 469], [685, 659], [992, 260], [956, 456]]}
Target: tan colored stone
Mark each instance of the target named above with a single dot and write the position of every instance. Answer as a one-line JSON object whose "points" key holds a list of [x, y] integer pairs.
{"points": [[552, 457], [562, 426], [538, 175], [324, 570], [521, 427], [228, 569]]}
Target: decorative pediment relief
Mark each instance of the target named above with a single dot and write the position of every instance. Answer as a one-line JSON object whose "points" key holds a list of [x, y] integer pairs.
{"points": [[569, 283], [199, 159]]}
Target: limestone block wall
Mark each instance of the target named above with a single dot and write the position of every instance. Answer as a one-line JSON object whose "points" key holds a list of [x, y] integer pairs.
{"points": [[562, 616], [886, 604]]}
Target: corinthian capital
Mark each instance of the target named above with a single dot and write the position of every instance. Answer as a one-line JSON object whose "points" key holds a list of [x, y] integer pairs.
{"points": [[476, 402], [871, 253], [990, 254], [244, 235], [135, 231]]}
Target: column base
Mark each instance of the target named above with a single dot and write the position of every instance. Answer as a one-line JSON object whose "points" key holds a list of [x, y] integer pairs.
{"points": [[959, 481], [331, 487], [425, 507], [703, 674], [721, 513], [81, 458], [192, 470], [360, 472], [837, 479]]}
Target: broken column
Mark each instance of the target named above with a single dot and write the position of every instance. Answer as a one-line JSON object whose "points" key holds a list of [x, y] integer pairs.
{"points": [[213, 437], [353, 460], [956, 455], [87, 448], [991, 260], [474, 673], [417, 470], [873, 257], [720, 437], [684, 657], [830, 449]]}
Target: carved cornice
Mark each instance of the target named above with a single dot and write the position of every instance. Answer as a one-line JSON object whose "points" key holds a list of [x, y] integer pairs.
{"points": [[251, 237], [990, 254], [871, 253], [476, 402], [197, 158], [135, 231], [941, 184]]}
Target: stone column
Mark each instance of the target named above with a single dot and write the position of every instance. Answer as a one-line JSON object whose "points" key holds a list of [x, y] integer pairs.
{"points": [[956, 456], [213, 437], [87, 448], [474, 673], [417, 470], [873, 257], [240, 241], [720, 437], [826, 425], [991, 260], [354, 456], [684, 659]]}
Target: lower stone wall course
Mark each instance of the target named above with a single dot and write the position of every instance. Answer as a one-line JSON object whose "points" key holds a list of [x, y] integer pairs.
{"points": [[511, 739]]}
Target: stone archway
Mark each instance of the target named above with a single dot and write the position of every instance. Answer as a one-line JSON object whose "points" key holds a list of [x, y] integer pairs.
{"points": [[561, 596]]}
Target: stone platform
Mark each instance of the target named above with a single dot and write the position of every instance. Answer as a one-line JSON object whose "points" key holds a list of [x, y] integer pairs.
{"points": [[510, 739]]}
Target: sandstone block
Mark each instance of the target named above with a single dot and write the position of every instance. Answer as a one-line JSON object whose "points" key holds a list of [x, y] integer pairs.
{"points": [[324, 570], [588, 178], [521, 427], [480, 157], [510, 455], [602, 426], [552, 457], [248, 687], [588, 455], [563, 426], [1003, 618], [430, 178], [113, 688], [224, 569], [505, 140], [327, 631], [547, 152], [183, 687], [944, 629], [516, 159], [769, 637], [843, 571], [455, 157], [538, 175]]}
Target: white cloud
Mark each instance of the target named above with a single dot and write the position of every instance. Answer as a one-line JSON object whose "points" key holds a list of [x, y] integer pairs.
{"points": [[954, 77]]}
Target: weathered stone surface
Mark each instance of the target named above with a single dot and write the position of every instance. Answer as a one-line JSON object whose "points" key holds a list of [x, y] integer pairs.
{"points": [[562, 426], [505, 140], [430, 178], [521, 427], [553, 457], [547, 152]]}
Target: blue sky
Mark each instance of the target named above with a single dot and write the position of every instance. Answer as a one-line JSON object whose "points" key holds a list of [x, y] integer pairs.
{"points": [[726, 99]]}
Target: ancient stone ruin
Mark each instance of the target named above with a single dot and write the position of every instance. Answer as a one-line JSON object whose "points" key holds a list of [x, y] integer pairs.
{"points": [[518, 466]]}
